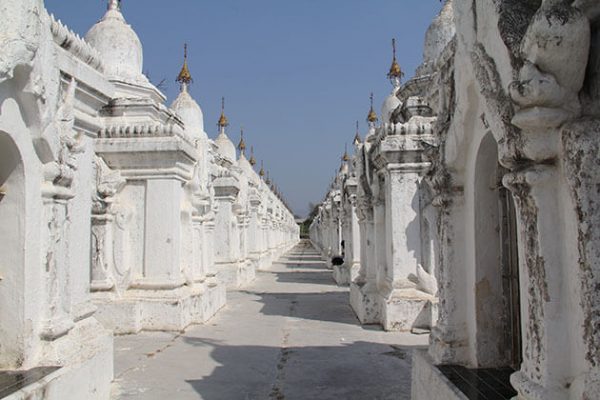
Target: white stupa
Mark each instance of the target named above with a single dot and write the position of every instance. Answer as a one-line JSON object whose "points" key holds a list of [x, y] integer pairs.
{"points": [[119, 46], [392, 102], [225, 146], [186, 107]]}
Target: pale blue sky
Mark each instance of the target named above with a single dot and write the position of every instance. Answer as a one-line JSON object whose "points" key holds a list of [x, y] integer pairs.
{"points": [[296, 73]]}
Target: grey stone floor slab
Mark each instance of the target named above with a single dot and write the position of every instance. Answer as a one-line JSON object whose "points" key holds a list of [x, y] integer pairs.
{"points": [[291, 335]]}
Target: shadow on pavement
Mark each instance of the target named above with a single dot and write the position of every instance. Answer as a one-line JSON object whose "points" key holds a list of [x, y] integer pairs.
{"points": [[353, 371], [314, 259], [295, 265], [313, 278], [318, 306]]}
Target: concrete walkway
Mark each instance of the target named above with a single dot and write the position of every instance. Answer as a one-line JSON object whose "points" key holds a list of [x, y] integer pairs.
{"points": [[291, 335]]}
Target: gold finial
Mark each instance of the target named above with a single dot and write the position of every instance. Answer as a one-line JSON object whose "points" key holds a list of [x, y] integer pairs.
{"points": [[395, 75], [372, 117], [268, 181], [262, 169], [184, 76], [357, 139], [223, 122], [242, 144], [252, 160], [345, 157]]}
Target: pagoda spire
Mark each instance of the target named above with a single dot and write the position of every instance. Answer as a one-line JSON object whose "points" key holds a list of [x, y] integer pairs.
{"points": [[252, 160], [242, 144], [223, 121], [372, 117], [395, 75], [184, 77], [357, 139]]}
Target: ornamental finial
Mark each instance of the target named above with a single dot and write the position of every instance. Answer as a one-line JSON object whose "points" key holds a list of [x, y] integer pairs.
{"points": [[114, 5], [223, 122], [261, 173], [242, 144], [357, 139], [372, 117], [252, 160], [345, 157], [395, 75], [185, 77]]}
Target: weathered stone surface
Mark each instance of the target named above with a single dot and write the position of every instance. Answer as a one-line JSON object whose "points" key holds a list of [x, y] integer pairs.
{"points": [[108, 203], [375, 206], [470, 209], [489, 205], [429, 383]]}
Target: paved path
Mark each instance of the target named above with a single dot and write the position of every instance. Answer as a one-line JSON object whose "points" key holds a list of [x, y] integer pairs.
{"points": [[291, 335]]}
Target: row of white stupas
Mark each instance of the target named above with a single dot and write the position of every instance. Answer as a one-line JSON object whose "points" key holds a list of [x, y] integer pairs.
{"points": [[376, 201], [117, 213], [472, 209]]}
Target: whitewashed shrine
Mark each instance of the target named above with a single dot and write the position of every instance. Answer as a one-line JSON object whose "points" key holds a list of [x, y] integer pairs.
{"points": [[111, 203], [504, 160]]}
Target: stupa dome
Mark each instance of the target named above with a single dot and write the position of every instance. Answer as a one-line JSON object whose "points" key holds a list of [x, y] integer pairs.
{"points": [[119, 45], [391, 103], [440, 33], [190, 112], [225, 147]]}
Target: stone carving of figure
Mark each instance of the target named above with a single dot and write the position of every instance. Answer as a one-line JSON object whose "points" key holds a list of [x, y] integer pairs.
{"points": [[555, 50], [71, 143], [66, 141], [19, 34], [108, 184], [426, 282]]}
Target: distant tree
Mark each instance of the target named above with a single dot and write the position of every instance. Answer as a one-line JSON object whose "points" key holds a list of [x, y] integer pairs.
{"points": [[304, 228]]}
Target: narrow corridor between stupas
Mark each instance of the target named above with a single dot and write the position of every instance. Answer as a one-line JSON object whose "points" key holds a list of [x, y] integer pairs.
{"points": [[289, 335], [148, 249]]}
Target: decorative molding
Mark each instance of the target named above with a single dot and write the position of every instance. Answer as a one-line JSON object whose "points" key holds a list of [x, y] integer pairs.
{"points": [[75, 45]]}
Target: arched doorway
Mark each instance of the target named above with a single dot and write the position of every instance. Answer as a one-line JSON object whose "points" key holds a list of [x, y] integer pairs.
{"points": [[12, 253], [497, 304]]}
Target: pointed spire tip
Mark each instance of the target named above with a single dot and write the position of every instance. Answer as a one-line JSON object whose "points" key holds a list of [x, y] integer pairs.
{"points": [[185, 77], [372, 117], [242, 144], [223, 121], [395, 74]]}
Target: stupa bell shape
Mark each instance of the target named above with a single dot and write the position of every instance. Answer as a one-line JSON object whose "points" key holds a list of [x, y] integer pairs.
{"points": [[225, 146], [243, 162], [119, 45], [391, 103], [190, 112], [440, 33], [187, 108]]}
